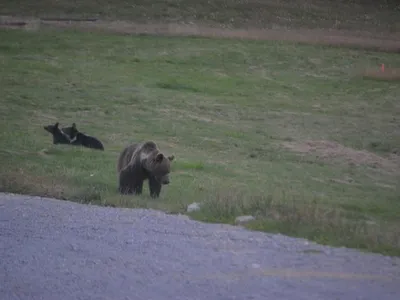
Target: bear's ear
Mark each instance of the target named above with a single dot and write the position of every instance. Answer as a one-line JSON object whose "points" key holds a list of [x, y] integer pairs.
{"points": [[159, 157], [56, 125], [73, 125], [171, 158]]}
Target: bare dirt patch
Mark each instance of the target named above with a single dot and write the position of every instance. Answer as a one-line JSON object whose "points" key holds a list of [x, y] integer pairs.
{"points": [[386, 74], [332, 151], [343, 38]]}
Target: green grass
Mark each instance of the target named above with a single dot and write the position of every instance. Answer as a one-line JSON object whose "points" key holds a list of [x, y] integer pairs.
{"points": [[225, 109], [343, 14]]}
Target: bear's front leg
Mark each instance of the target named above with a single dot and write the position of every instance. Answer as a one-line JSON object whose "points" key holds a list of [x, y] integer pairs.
{"points": [[155, 187]]}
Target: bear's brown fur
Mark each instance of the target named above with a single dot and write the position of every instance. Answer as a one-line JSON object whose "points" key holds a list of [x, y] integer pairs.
{"points": [[138, 162]]}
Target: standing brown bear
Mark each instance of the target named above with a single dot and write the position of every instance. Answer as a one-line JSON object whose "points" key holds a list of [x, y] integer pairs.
{"points": [[138, 162]]}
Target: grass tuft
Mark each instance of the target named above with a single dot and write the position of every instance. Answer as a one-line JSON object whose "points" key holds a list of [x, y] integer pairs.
{"points": [[87, 196], [187, 165], [174, 85]]}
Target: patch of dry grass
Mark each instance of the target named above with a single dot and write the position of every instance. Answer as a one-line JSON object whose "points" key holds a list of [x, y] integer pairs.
{"points": [[21, 182], [316, 221], [334, 152], [369, 16]]}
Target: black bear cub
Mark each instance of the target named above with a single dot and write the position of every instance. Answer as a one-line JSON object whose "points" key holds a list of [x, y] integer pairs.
{"points": [[79, 138], [59, 135]]}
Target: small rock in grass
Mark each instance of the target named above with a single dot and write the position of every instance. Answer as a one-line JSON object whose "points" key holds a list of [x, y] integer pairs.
{"points": [[243, 219], [193, 207]]}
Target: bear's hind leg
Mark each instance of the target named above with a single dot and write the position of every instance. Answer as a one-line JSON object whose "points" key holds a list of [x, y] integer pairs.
{"points": [[137, 188], [125, 186], [155, 187]]}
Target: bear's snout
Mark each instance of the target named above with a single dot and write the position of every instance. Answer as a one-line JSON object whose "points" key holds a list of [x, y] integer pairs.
{"points": [[165, 181]]}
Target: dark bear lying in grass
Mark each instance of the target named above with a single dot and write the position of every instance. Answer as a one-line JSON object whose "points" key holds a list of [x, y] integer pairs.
{"points": [[72, 136], [138, 162], [79, 138], [60, 136]]}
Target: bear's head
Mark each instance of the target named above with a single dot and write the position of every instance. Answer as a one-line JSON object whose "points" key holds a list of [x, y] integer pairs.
{"points": [[59, 136], [52, 128], [74, 132], [159, 166]]}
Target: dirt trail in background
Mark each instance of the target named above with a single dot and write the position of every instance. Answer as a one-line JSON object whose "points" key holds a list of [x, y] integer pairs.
{"points": [[330, 151], [382, 42]]}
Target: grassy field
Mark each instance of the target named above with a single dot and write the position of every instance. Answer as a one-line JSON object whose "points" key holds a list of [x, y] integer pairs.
{"points": [[289, 133]]}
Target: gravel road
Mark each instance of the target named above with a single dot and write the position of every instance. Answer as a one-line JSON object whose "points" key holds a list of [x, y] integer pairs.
{"points": [[53, 249]]}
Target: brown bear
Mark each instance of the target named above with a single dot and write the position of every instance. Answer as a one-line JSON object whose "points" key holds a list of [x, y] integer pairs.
{"points": [[141, 161]]}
